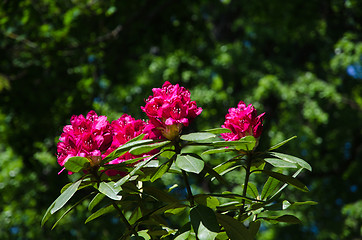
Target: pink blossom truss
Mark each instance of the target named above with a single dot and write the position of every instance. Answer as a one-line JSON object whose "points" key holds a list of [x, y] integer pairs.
{"points": [[169, 109], [243, 121]]}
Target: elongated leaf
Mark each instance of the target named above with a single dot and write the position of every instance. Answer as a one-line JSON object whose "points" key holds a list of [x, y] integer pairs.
{"points": [[160, 195], [135, 170], [285, 185], [76, 164], [109, 190], [204, 222], [47, 214], [234, 229], [276, 162], [213, 173], [65, 196], [190, 163], [125, 148], [207, 200], [252, 191], [270, 187], [281, 143], [285, 218], [287, 179], [218, 150], [292, 159], [218, 130], [147, 148], [161, 170], [198, 136], [99, 213], [69, 210], [254, 228], [245, 144], [97, 199]]}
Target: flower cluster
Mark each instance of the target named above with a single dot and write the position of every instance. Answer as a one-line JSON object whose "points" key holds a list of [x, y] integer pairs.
{"points": [[88, 137], [169, 109], [243, 121]]}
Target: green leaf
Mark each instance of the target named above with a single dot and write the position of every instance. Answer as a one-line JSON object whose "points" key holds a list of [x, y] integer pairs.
{"points": [[161, 170], [281, 143], [144, 235], [269, 188], [292, 159], [47, 214], [206, 200], [190, 162], [234, 229], [286, 204], [97, 199], [218, 130], [159, 194], [135, 170], [214, 174], [276, 162], [107, 188], [252, 190], [125, 148], [285, 218], [198, 136], [77, 164], [287, 179], [285, 185], [218, 150], [138, 150], [65, 196], [100, 212], [69, 210], [254, 228], [204, 222], [245, 144]]}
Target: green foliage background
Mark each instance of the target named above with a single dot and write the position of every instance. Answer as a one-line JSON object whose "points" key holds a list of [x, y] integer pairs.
{"points": [[299, 61]]}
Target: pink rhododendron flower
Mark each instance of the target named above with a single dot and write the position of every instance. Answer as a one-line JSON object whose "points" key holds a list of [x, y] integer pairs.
{"points": [[88, 137], [124, 129], [243, 121], [169, 110]]}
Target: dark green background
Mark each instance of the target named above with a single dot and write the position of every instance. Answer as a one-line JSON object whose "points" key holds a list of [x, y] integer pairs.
{"points": [[299, 61]]}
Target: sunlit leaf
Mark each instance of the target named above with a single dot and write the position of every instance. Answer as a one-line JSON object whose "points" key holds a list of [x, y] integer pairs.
{"points": [[76, 164], [292, 159], [276, 162], [138, 150], [100, 212], [190, 163], [270, 187], [287, 179], [65, 196], [109, 190], [281, 143], [97, 199], [198, 136], [218, 130]]}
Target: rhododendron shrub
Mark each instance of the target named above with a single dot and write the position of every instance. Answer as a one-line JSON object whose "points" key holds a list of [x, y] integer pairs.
{"points": [[117, 165]]}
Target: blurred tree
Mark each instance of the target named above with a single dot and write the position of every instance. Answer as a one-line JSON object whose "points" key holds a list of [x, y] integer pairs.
{"points": [[299, 61]]}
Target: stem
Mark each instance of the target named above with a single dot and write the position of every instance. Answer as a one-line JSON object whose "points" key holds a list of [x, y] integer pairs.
{"points": [[189, 192], [124, 219], [190, 197], [246, 181]]}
